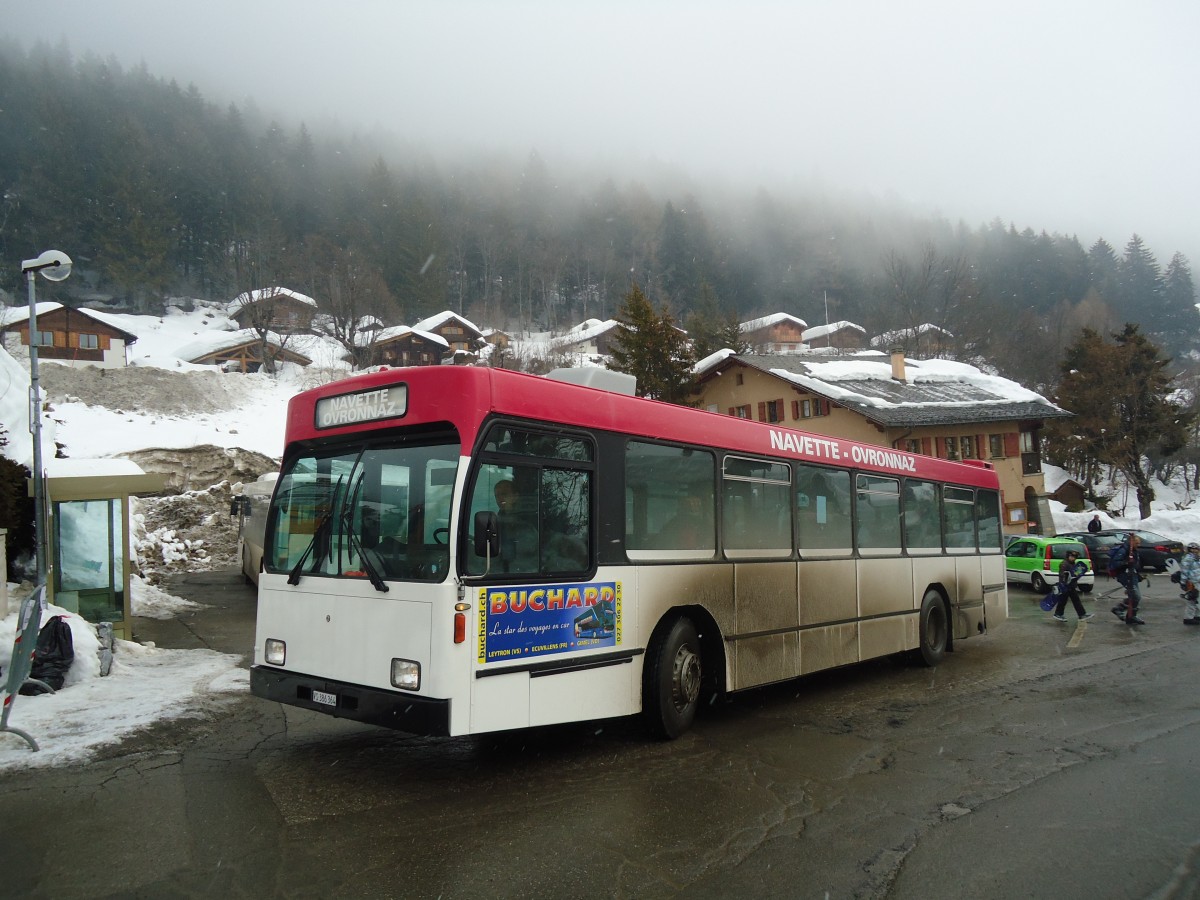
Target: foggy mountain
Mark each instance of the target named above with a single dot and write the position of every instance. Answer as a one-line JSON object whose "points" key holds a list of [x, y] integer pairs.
{"points": [[155, 191]]}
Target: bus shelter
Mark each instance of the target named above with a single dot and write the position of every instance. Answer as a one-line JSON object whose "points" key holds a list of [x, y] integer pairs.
{"points": [[88, 542]]}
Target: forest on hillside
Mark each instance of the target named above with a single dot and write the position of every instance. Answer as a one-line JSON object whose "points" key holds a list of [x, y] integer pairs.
{"points": [[156, 192]]}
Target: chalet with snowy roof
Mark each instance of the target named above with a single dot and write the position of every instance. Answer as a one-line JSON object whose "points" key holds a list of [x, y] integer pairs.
{"points": [[933, 407], [457, 332], [920, 340], [400, 345], [73, 337], [589, 338], [274, 309], [239, 351], [501, 340], [777, 333], [838, 335]]}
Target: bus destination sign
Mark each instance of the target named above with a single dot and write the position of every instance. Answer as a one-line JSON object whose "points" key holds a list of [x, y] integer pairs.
{"points": [[362, 406]]}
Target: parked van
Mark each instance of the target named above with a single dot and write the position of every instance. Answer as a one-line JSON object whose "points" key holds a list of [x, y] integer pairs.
{"points": [[251, 508], [1034, 561]]}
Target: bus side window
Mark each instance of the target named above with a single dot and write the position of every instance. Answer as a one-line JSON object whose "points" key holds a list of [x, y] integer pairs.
{"points": [[757, 501], [877, 513], [670, 502], [823, 510], [922, 525]]}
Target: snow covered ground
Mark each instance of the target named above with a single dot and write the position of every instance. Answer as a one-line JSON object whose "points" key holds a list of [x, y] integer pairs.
{"points": [[147, 683]]}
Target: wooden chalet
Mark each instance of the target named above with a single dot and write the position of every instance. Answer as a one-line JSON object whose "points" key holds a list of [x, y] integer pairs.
{"points": [[838, 335], [777, 333], [276, 309], [75, 337], [239, 351]]}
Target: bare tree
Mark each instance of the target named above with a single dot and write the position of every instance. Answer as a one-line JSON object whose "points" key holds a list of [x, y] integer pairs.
{"points": [[256, 270], [353, 298]]}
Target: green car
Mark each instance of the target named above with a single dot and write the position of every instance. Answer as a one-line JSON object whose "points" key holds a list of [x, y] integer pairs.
{"points": [[1034, 561]]}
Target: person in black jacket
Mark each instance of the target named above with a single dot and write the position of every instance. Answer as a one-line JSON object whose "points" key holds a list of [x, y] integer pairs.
{"points": [[1095, 525], [1069, 572], [1129, 576]]}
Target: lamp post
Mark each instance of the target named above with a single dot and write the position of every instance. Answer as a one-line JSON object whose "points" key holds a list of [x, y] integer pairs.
{"points": [[54, 266]]}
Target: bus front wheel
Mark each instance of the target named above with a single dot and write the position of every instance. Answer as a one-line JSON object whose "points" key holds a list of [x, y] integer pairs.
{"points": [[935, 629], [671, 684]]}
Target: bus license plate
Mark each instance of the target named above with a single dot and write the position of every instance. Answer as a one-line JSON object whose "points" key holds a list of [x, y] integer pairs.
{"points": [[325, 698]]}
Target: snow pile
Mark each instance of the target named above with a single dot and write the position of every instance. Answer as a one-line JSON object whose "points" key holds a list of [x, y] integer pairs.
{"points": [[189, 532]]}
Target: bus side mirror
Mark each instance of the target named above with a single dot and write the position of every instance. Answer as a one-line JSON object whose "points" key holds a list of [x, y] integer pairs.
{"points": [[240, 506], [487, 534]]}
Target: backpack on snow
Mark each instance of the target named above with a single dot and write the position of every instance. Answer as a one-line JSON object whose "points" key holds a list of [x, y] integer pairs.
{"points": [[52, 657], [1118, 559]]}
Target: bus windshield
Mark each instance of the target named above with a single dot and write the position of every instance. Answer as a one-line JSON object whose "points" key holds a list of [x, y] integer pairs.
{"points": [[364, 511]]}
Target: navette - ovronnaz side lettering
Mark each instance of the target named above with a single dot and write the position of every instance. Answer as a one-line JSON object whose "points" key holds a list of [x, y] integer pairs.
{"points": [[813, 447]]}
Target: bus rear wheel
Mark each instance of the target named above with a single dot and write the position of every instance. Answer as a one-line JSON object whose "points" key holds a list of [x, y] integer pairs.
{"points": [[935, 630], [672, 679]]}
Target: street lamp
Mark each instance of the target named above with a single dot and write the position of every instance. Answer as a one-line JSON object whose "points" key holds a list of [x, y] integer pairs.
{"points": [[54, 266]]}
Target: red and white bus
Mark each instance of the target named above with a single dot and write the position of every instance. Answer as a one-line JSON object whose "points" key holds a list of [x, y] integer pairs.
{"points": [[454, 550]]}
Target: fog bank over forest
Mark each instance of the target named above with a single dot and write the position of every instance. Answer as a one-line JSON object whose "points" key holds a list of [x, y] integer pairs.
{"points": [[1070, 117], [159, 187]]}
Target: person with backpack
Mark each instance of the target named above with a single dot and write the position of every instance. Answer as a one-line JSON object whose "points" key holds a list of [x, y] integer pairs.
{"points": [[1125, 565], [1069, 572], [1189, 584]]}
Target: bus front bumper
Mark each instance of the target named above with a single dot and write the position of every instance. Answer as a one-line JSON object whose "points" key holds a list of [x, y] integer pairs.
{"points": [[388, 709]]}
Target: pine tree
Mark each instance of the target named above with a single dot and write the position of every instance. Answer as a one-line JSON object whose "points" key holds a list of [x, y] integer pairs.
{"points": [[1179, 321], [1141, 285], [1125, 416], [711, 328], [1104, 273], [653, 350]]}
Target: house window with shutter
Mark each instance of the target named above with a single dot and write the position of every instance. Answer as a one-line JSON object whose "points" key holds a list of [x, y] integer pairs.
{"points": [[996, 446], [951, 448], [89, 342], [44, 339], [967, 445], [774, 410], [742, 412], [912, 445]]}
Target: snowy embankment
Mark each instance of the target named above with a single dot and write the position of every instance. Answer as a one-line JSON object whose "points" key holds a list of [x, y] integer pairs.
{"points": [[1175, 512]]}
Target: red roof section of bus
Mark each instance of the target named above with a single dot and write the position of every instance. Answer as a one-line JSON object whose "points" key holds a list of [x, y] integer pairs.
{"points": [[465, 395]]}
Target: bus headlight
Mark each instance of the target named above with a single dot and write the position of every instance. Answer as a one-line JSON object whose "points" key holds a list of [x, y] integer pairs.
{"points": [[406, 674], [276, 654]]}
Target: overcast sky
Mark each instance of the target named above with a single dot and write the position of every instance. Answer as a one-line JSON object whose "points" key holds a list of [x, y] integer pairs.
{"points": [[1076, 116]]}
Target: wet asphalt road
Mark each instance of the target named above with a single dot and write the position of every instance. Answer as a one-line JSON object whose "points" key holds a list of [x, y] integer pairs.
{"points": [[1043, 760]]}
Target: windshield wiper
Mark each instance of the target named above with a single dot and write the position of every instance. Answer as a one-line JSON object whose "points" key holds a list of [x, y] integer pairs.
{"points": [[356, 541], [319, 533]]}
